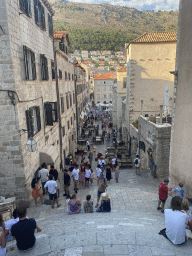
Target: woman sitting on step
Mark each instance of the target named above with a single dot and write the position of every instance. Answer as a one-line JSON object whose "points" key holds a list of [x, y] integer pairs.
{"points": [[74, 206], [105, 203]]}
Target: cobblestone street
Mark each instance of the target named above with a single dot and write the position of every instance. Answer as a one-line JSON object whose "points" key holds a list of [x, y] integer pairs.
{"points": [[131, 228]]}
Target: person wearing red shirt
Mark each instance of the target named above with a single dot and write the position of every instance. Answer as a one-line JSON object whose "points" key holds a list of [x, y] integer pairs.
{"points": [[163, 194]]}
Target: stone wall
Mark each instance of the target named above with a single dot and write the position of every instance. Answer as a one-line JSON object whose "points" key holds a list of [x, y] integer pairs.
{"points": [[7, 207]]}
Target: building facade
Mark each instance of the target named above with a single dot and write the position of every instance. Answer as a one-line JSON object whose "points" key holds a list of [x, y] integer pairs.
{"points": [[181, 139], [150, 58], [103, 87]]}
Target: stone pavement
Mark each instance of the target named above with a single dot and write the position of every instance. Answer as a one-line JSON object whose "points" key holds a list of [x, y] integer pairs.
{"points": [[131, 228]]}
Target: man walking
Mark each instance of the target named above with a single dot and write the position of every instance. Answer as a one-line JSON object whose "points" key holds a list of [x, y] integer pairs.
{"points": [[88, 145], [163, 194], [137, 165], [75, 174], [66, 183], [55, 175], [51, 186], [43, 174]]}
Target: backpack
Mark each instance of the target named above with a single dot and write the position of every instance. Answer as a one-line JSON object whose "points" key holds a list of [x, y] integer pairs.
{"points": [[136, 161], [88, 207]]}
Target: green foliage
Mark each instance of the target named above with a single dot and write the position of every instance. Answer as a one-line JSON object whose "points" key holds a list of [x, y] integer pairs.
{"points": [[89, 39], [136, 123]]}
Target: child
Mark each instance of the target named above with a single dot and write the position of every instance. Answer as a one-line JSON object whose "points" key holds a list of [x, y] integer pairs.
{"points": [[179, 191], [88, 205], [87, 175]]}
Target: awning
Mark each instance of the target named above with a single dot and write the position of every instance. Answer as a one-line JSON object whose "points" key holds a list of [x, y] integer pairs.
{"points": [[48, 154]]}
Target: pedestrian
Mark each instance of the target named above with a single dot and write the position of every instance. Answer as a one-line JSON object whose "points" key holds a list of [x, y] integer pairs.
{"points": [[92, 177], [87, 175], [105, 203], [82, 175], [99, 171], [51, 186], [88, 205], [75, 174], [102, 161], [88, 145], [179, 191], [74, 206], [9, 224], [24, 230], [67, 180], [94, 150], [116, 166], [137, 165], [163, 194], [2, 237], [101, 188], [43, 174], [113, 162], [67, 162], [55, 175], [108, 173], [90, 158], [36, 191], [175, 222], [185, 208]]}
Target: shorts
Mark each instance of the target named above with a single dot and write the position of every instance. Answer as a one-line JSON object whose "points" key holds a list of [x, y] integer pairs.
{"points": [[163, 201], [53, 196], [99, 193], [87, 179]]}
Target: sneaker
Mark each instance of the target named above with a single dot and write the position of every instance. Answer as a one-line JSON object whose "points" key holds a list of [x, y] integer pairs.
{"points": [[64, 194], [52, 206], [158, 208], [162, 211], [58, 205], [67, 197]]}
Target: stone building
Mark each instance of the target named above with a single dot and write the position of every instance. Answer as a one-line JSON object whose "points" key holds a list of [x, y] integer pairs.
{"points": [[154, 143], [103, 86], [181, 137], [150, 58], [118, 96]]}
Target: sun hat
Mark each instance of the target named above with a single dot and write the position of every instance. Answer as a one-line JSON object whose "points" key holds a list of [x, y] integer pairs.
{"points": [[104, 196]]}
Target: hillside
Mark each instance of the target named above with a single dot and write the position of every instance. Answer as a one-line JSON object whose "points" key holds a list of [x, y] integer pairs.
{"points": [[89, 20]]}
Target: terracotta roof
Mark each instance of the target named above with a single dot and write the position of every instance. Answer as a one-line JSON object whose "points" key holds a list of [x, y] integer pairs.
{"points": [[60, 35], [105, 76], [122, 69], [156, 37]]}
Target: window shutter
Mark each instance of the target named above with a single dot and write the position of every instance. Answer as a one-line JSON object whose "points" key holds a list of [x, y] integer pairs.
{"points": [[50, 21], [42, 66], [36, 11], [46, 69], [26, 62], [38, 118], [48, 114], [56, 112], [22, 5], [29, 121], [28, 7], [33, 65], [42, 17]]}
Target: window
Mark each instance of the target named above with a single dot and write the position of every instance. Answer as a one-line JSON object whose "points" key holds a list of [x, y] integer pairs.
{"points": [[63, 131], [71, 120], [61, 46], [104, 88], [65, 76], [29, 62], [70, 98], [98, 82], [104, 96], [69, 77], [104, 82], [74, 116], [67, 100], [60, 74], [39, 14], [50, 24], [72, 77], [73, 98], [44, 67], [62, 105], [25, 6], [33, 120], [98, 96], [124, 82], [53, 70], [50, 112], [68, 125]]}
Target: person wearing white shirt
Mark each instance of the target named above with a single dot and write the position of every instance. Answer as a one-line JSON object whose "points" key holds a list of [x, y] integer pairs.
{"points": [[102, 161], [9, 224], [113, 162], [87, 175], [51, 186], [43, 174], [99, 171], [175, 222], [75, 174], [88, 145]]}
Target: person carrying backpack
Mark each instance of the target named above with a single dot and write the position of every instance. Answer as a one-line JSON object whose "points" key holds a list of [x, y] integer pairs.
{"points": [[137, 165], [88, 205]]}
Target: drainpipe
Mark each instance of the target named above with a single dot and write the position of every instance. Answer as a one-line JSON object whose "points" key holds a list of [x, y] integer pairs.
{"points": [[142, 107], [161, 114], [59, 109]]}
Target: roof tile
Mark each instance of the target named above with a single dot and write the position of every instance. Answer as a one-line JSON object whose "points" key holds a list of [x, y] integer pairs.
{"points": [[156, 37]]}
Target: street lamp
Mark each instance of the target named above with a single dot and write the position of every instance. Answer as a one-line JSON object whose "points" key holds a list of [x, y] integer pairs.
{"points": [[31, 145]]}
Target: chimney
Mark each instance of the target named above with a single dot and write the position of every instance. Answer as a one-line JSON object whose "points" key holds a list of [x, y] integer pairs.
{"points": [[161, 114], [142, 107]]}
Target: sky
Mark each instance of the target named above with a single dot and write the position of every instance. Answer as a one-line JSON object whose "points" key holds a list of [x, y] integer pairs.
{"points": [[156, 5]]}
